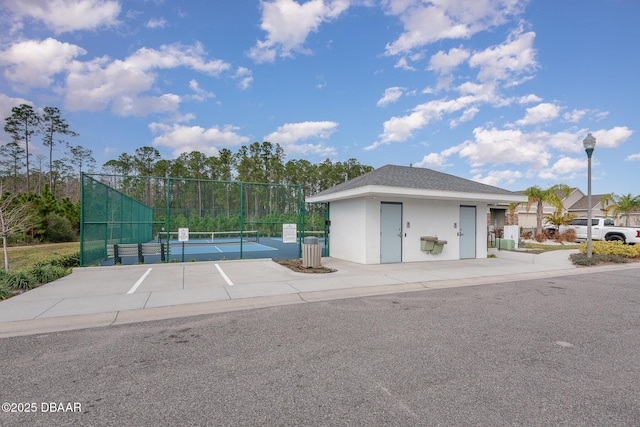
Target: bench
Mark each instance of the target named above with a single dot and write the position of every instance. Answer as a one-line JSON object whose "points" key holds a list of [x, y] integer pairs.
{"points": [[140, 250]]}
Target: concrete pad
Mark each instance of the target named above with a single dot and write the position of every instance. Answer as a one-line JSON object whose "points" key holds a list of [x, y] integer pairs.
{"points": [[85, 282], [163, 279], [97, 295], [20, 309], [256, 271], [312, 285], [97, 304], [260, 290], [205, 275], [187, 296]]}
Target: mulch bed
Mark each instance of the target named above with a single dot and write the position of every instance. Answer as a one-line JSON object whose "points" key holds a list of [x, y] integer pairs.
{"points": [[296, 265]]}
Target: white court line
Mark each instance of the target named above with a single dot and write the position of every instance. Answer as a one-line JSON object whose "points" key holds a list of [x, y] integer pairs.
{"points": [[224, 276], [139, 282]]}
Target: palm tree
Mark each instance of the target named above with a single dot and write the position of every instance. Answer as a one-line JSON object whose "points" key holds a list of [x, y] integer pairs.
{"points": [[538, 196], [622, 205]]}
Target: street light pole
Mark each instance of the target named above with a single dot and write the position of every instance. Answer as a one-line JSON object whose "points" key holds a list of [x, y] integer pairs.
{"points": [[589, 145]]}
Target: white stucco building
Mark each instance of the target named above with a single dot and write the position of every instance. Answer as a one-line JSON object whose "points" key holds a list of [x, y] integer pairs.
{"points": [[381, 216]]}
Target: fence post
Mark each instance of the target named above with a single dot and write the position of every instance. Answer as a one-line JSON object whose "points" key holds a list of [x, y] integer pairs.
{"points": [[116, 257]]}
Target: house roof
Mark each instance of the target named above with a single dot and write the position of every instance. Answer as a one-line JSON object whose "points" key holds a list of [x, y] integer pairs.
{"points": [[415, 182], [583, 203]]}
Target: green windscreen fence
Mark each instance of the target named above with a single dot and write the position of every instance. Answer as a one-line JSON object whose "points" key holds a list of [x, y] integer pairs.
{"points": [[225, 219], [109, 217]]}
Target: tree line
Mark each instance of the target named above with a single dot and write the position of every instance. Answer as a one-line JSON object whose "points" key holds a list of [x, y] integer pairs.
{"points": [[258, 162], [46, 187]]}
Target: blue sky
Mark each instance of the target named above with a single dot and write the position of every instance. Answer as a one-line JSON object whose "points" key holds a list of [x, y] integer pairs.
{"points": [[498, 91]]}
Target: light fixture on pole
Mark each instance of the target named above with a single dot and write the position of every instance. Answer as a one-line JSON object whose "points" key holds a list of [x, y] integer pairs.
{"points": [[589, 145]]}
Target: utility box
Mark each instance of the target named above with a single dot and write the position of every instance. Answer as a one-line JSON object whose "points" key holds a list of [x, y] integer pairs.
{"points": [[427, 243], [507, 244], [311, 252], [438, 246]]}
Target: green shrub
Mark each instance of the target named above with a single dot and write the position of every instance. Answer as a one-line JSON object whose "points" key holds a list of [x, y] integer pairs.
{"points": [[5, 292], [581, 259], [67, 261], [612, 248], [19, 280], [47, 273], [58, 229]]}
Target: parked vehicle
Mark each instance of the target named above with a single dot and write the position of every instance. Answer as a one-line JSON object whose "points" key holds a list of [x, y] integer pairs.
{"points": [[604, 229]]}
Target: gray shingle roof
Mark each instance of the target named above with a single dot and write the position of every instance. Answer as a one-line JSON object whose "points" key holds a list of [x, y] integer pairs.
{"points": [[419, 178], [582, 204]]}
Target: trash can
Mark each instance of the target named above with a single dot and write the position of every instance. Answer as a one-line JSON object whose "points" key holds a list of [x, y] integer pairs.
{"points": [[311, 252]]}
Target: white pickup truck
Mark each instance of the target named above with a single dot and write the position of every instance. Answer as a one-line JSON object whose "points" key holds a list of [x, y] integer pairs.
{"points": [[604, 229]]}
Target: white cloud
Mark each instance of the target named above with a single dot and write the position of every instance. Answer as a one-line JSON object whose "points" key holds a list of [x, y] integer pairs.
{"points": [[467, 115], [575, 115], [391, 94], [199, 93], [403, 64], [633, 157], [613, 137], [398, 129], [183, 139], [444, 63], [289, 135], [67, 15], [483, 91], [245, 76], [507, 60], [101, 83], [432, 160], [142, 105], [563, 141], [428, 22], [288, 24], [541, 113], [494, 146], [33, 63], [157, 23], [437, 160], [529, 99], [498, 177], [6, 104], [564, 168]]}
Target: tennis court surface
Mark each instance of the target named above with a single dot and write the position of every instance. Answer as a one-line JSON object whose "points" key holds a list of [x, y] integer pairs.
{"points": [[208, 246]]}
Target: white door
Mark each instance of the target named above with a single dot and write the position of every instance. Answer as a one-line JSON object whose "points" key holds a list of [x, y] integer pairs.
{"points": [[467, 232], [390, 232]]}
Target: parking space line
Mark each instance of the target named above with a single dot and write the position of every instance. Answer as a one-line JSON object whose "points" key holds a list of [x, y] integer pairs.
{"points": [[224, 276], [139, 282]]}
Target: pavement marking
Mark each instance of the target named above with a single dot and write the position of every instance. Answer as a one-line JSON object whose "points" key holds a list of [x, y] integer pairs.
{"points": [[224, 276], [139, 282]]}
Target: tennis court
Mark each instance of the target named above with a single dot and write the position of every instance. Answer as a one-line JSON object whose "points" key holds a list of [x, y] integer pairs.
{"points": [[138, 219]]}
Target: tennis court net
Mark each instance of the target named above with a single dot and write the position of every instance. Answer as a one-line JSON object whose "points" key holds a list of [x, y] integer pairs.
{"points": [[211, 237]]}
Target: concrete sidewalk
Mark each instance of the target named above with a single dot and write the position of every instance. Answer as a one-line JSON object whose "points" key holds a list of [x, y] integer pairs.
{"points": [[104, 296]]}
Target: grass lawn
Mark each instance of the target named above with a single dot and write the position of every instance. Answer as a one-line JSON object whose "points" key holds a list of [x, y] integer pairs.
{"points": [[25, 257], [543, 247]]}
